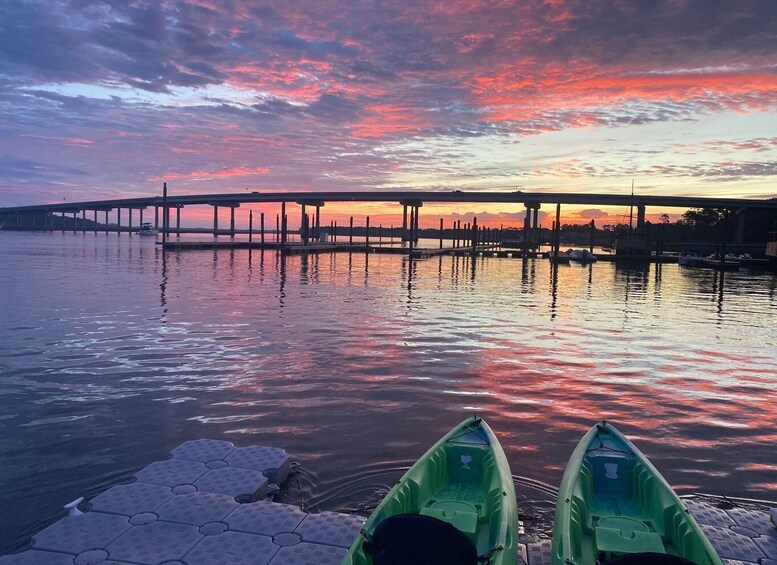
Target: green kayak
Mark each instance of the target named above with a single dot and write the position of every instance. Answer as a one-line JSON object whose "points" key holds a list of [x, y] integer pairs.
{"points": [[614, 507], [455, 506]]}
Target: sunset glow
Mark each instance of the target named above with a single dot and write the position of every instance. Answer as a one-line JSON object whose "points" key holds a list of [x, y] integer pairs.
{"points": [[106, 101]]}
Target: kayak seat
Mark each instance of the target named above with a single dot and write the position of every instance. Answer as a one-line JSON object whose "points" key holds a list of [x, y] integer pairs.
{"points": [[415, 539], [460, 514], [618, 535], [612, 473]]}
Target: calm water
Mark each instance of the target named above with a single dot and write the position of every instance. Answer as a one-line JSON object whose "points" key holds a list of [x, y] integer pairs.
{"points": [[110, 356]]}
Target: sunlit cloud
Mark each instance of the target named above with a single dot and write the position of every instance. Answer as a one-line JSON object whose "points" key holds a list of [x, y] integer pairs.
{"points": [[479, 95]]}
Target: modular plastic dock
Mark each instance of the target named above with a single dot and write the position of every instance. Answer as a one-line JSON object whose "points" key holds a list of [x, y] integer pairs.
{"points": [[208, 505]]}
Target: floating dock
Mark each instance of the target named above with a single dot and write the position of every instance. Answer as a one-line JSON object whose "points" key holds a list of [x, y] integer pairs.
{"points": [[208, 504]]}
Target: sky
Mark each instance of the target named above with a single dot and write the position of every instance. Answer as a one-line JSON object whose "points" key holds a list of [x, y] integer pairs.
{"points": [[107, 99]]}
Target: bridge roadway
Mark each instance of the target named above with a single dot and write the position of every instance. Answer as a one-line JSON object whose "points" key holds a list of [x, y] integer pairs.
{"points": [[530, 199]]}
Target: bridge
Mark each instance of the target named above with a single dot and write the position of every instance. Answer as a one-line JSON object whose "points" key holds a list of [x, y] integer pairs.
{"points": [[413, 200]]}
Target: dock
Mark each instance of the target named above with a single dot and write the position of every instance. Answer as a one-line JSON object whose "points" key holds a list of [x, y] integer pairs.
{"points": [[211, 503], [294, 248]]}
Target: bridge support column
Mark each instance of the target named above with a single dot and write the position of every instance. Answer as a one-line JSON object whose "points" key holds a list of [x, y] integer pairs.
{"points": [[156, 217], [283, 223], [106, 222], [739, 226], [556, 237], [215, 220], [640, 218], [303, 223], [178, 220], [317, 233], [231, 221], [129, 211], [118, 221], [83, 221], [404, 222], [526, 231]]}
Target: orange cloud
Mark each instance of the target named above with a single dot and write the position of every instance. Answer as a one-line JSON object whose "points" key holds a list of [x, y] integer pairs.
{"points": [[207, 175]]}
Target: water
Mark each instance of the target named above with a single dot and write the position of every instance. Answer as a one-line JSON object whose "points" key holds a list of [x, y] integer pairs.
{"points": [[110, 356]]}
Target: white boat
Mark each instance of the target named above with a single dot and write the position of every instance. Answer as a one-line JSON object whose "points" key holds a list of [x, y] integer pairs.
{"points": [[689, 258], [581, 256], [147, 229]]}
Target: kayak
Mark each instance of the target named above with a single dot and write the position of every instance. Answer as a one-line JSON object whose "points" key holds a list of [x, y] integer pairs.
{"points": [[455, 506], [615, 508]]}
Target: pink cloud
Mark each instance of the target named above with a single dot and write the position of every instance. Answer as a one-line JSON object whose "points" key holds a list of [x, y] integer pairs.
{"points": [[206, 175]]}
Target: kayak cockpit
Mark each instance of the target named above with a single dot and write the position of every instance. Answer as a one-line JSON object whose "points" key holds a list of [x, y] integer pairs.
{"points": [[619, 505], [461, 483]]}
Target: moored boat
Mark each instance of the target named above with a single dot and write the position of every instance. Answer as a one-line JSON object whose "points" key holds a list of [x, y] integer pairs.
{"points": [[689, 258], [615, 507], [455, 505], [581, 256], [147, 229]]}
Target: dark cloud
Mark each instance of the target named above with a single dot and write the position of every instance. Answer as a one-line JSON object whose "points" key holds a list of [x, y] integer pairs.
{"points": [[339, 94]]}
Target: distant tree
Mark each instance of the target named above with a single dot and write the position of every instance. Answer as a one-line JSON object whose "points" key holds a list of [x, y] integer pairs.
{"points": [[703, 217], [665, 219]]}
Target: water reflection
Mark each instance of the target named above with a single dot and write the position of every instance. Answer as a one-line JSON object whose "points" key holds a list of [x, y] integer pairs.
{"points": [[356, 364]]}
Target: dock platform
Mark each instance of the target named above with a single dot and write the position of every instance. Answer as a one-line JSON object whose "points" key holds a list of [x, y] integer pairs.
{"points": [[210, 504]]}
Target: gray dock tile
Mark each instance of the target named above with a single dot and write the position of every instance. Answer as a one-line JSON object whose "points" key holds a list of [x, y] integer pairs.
{"points": [[768, 543], [197, 508], [330, 528], [707, 513], [203, 450], [232, 548], [731, 545], [273, 462], [76, 534], [155, 543], [172, 472], [132, 499], [757, 520], [34, 557], [233, 481], [309, 554], [263, 517], [539, 553]]}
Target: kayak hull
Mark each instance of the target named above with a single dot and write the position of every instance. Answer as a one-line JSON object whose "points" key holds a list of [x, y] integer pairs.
{"points": [[613, 502], [463, 480]]}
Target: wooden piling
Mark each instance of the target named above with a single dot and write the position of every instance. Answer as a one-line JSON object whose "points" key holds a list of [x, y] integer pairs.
{"points": [[250, 228], [441, 231], [350, 233], [591, 240], [261, 225], [367, 233], [164, 214], [474, 235]]}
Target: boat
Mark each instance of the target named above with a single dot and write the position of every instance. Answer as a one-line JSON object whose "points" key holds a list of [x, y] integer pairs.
{"points": [[455, 505], [728, 262], [147, 229], [614, 508], [689, 258], [581, 256], [559, 259]]}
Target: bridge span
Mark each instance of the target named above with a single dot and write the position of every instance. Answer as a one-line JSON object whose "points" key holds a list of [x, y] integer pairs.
{"points": [[412, 201]]}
